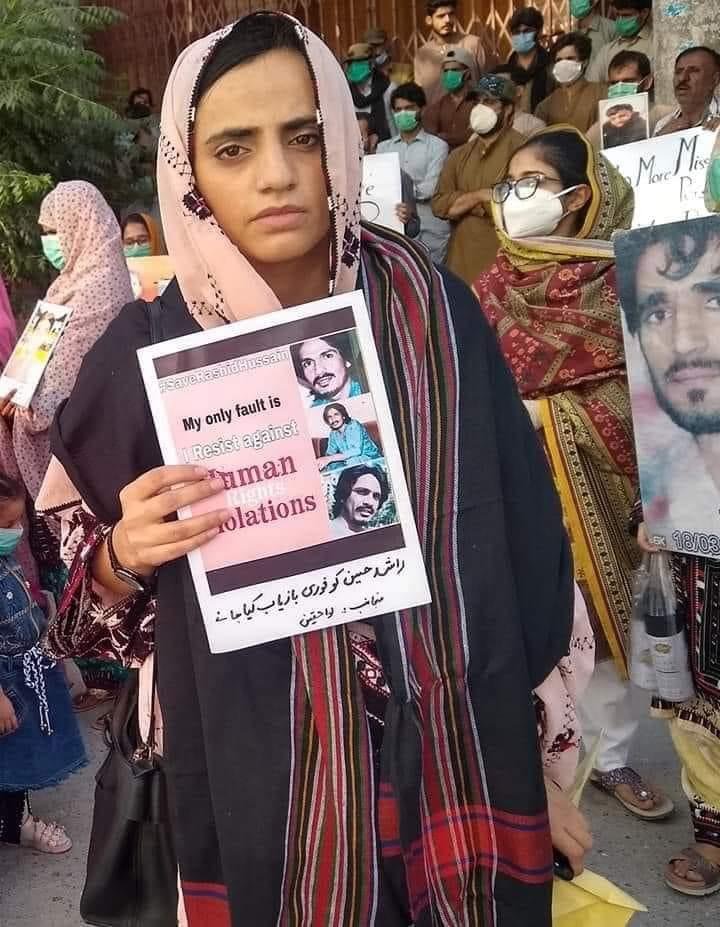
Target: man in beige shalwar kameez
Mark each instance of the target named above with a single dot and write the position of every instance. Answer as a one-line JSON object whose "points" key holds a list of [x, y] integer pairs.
{"points": [[463, 191]]}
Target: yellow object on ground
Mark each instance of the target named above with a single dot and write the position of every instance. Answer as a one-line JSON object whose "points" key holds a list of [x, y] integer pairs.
{"points": [[592, 901]]}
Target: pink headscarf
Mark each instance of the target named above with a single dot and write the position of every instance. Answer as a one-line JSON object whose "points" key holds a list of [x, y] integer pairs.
{"points": [[8, 328], [218, 283], [96, 283]]}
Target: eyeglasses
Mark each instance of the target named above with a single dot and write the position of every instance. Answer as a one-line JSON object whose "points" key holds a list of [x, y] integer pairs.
{"points": [[524, 188]]}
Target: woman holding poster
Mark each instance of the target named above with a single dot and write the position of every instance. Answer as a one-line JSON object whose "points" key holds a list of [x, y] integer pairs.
{"points": [[553, 303], [295, 801]]}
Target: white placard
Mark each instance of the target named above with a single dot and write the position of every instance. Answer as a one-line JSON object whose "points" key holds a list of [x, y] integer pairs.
{"points": [[31, 355], [382, 190], [667, 174], [290, 409]]}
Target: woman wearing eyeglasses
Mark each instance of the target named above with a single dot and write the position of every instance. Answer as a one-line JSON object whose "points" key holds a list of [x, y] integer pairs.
{"points": [[552, 299]]}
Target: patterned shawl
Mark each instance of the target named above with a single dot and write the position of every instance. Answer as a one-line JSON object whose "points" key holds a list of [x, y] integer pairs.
{"points": [[555, 309], [283, 815], [216, 280], [96, 283]]}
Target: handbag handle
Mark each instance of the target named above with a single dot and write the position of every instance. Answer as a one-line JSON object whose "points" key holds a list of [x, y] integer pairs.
{"points": [[155, 317]]}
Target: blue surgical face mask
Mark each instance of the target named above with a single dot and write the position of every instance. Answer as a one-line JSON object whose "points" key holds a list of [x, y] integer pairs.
{"points": [[523, 42], [53, 251], [9, 539]]}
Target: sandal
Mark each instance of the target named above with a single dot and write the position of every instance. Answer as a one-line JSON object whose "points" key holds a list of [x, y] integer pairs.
{"points": [[624, 775], [45, 838], [705, 868]]}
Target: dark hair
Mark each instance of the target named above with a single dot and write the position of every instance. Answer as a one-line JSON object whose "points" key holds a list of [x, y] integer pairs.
{"points": [[628, 56], [685, 244], [410, 91], [701, 48], [618, 107], [580, 42], [341, 343], [136, 93], [350, 476], [527, 17], [10, 489], [638, 5], [251, 37], [337, 407], [432, 5], [135, 218], [565, 152], [517, 75]]}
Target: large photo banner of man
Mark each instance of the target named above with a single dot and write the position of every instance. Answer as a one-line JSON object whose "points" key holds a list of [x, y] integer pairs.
{"points": [[669, 284]]}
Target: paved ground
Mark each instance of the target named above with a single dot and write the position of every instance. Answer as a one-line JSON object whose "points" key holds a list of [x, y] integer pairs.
{"points": [[39, 891]]}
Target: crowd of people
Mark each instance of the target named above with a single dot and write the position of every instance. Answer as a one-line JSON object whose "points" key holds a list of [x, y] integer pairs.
{"points": [[497, 322]]}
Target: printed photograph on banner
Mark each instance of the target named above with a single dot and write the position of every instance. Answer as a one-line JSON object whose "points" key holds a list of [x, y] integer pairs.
{"points": [[26, 366], [290, 411], [359, 498], [329, 368], [345, 433], [669, 285], [624, 120]]}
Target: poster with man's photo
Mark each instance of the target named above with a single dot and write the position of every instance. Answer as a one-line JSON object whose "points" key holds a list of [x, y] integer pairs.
{"points": [[669, 284], [290, 410], [31, 355], [624, 120]]}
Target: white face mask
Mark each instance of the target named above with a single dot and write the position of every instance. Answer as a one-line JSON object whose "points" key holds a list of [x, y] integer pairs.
{"points": [[539, 215], [566, 71], [483, 119]]}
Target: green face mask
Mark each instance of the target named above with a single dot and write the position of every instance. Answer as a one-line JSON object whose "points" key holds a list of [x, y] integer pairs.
{"points": [[714, 182], [53, 251], [622, 89], [628, 26], [452, 80], [358, 71], [136, 250], [580, 8], [406, 120]]}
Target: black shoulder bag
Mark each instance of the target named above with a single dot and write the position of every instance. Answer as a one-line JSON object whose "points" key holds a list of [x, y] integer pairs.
{"points": [[131, 876]]}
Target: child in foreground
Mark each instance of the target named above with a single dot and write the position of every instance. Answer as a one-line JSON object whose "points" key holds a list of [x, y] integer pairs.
{"points": [[40, 743]]}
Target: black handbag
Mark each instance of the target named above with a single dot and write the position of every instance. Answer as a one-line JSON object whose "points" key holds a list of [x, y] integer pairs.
{"points": [[131, 876]]}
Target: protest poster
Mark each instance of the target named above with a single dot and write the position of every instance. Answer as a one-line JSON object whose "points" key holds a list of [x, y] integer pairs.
{"points": [[26, 365], [624, 120], [381, 190], [667, 174], [290, 409], [150, 275], [669, 285]]}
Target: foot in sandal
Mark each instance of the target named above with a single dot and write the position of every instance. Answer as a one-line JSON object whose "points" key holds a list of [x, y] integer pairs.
{"points": [[695, 871], [633, 793], [45, 838]]}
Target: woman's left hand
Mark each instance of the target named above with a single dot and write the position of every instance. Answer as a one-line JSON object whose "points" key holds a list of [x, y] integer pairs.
{"points": [[568, 827], [7, 406]]}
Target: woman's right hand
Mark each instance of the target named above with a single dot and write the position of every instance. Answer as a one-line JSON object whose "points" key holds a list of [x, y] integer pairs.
{"points": [[8, 720], [569, 828], [643, 540], [144, 539]]}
